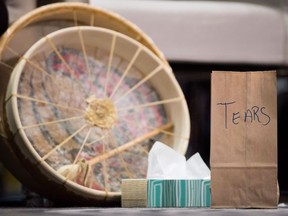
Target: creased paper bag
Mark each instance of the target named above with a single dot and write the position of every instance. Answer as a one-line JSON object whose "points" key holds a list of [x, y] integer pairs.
{"points": [[243, 140]]}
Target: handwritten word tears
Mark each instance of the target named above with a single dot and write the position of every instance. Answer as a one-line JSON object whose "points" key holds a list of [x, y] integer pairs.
{"points": [[255, 114]]}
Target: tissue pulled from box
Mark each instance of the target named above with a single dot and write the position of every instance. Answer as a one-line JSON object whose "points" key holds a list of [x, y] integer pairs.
{"points": [[165, 163], [171, 182]]}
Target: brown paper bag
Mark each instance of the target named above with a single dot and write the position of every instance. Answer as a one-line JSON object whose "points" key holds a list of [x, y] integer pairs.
{"points": [[243, 140]]}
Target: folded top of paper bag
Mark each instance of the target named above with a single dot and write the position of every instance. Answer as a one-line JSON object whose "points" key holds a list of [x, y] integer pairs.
{"points": [[165, 163]]}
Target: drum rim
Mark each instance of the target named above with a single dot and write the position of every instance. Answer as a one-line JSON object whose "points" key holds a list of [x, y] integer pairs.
{"points": [[68, 183], [49, 10]]}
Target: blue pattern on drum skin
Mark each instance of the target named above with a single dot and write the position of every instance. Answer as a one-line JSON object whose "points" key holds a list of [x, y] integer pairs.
{"points": [[44, 130], [37, 115]]}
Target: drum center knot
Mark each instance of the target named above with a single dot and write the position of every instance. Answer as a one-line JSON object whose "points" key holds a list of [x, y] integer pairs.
{"points": [[100, 112]]}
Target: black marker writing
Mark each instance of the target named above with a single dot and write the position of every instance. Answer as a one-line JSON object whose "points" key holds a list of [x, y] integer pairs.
{"points": [[255, 114], [268, 117], [226, 110]]}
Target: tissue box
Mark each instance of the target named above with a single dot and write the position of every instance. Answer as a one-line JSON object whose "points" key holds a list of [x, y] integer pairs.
{"points": [[163, 193], [178, 193]]}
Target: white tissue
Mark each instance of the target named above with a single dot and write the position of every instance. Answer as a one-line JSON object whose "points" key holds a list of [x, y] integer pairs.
{"points": [[196, 168], [165, 163]]}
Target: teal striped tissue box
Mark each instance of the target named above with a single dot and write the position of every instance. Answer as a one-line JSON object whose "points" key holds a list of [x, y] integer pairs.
{"points": [[165, 193], [178, 193]]}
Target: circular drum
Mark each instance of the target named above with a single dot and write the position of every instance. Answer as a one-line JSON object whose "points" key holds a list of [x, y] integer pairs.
{"points": [[23, 33], [83, 108]]}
